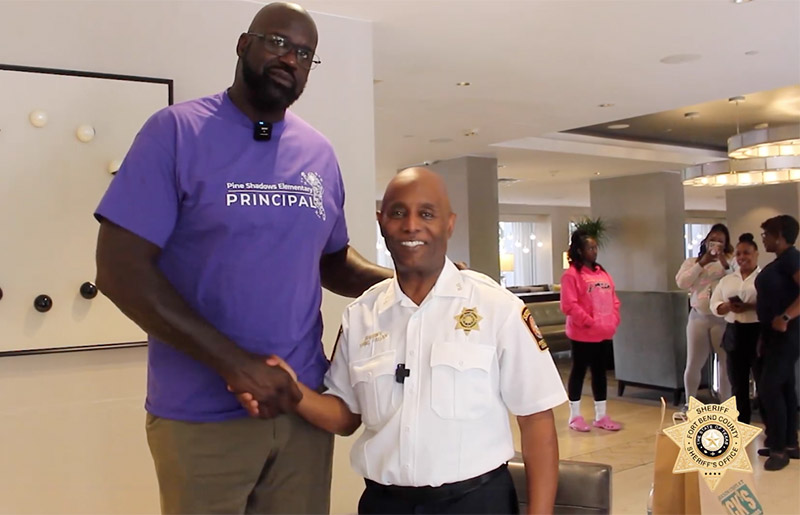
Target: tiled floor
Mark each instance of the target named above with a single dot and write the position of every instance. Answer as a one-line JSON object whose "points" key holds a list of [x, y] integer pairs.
{"points": [[631, 451]]}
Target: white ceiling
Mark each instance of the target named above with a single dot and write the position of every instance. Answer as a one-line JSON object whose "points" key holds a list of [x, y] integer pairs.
{"points": [[540, 67]]}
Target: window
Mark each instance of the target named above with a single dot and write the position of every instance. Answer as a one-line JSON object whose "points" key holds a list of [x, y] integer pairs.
{"points": [[693, 234], [524, 248]]}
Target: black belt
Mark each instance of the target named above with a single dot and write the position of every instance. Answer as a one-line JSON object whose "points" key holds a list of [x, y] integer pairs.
{"points": [[425, 494]]}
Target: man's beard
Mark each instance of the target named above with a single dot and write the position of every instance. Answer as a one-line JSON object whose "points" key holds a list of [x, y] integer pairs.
{"points": [[265, 93]]}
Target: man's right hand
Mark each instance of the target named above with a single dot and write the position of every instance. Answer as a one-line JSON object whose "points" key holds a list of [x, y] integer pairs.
{"points": [[264, 390]]}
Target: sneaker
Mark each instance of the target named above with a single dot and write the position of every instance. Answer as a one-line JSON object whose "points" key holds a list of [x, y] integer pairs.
{"points": [[579, 424], [776, 462], [793, 453], [607, 424]]}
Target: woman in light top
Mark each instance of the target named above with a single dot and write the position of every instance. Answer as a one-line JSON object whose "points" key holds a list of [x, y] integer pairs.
{"points": [[704, 331], [734, 298]]}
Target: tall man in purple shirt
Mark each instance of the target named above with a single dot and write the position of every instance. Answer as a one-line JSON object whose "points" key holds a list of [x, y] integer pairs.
{"points": [[215, 236]]}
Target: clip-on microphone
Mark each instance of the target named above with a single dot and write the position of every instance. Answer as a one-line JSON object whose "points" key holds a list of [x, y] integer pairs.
{"points": [[262, 131]]}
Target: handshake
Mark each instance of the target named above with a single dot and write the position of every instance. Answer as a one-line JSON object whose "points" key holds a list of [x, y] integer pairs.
{"points": [[265, 387]]}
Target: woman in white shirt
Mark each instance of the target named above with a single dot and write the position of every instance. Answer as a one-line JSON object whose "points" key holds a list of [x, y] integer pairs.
{"points": [[734, 298], [704, 331]]}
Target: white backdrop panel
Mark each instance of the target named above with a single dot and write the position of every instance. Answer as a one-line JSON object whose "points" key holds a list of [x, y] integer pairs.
{"points": [[50, 184]]}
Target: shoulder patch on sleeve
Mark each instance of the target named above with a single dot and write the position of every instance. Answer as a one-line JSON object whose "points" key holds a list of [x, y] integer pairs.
{"points": [[530, 323]]}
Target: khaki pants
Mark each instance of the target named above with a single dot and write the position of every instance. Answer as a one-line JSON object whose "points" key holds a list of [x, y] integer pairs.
{"points": [[246, 465]]}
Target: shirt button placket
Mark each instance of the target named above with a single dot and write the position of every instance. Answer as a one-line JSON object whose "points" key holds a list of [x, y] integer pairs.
{"points": [[410, 404]]}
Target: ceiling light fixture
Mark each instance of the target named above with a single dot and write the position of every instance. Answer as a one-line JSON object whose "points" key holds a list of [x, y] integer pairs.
{"points": [[617, 126], [762, 156], [462, 84], [691, 115], [605, 105], [767, 142]]}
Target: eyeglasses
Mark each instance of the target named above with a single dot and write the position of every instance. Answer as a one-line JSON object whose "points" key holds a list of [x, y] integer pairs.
{"points": [[280, 46]]}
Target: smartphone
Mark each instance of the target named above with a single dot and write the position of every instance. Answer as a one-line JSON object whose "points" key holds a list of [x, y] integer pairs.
{"points": [[714, 247], [735, 300]]}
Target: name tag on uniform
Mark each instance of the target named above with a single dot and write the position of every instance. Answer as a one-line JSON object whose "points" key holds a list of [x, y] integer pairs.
{"points": [[373, 338]]}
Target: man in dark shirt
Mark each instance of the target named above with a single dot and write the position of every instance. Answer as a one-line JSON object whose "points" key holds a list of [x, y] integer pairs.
{"points": [[778, 308]]}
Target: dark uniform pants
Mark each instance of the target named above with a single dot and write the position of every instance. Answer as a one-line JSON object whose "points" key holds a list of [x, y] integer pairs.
{"points": [[776, 385], [491, 493], [740, 341]]}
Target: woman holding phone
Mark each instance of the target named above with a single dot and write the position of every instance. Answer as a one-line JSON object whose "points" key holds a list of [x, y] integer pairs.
{"points": [[734, 298], [704, 331]]}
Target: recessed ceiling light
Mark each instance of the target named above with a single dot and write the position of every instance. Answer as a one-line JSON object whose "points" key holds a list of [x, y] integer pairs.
{"points": [[761, 126], [616, 126], [691, 115], [751, 52], [679, 58], [500, 166], [440, 140], [605, 105], [507, 180], [741, 1], [737, 99], [471, 132], [597, 173], [462, 83]]}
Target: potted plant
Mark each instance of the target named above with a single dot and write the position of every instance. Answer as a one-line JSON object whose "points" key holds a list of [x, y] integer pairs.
{"points": [[597, 228]]}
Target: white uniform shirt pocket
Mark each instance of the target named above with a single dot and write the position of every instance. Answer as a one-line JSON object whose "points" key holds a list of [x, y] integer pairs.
{"points": [[373, 382], [460, 380]]}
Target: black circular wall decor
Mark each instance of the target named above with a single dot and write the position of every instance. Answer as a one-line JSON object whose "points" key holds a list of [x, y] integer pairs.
{"points": [[43, 303], [88, 290]]}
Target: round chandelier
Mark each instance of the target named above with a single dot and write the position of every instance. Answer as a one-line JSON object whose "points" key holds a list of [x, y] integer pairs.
{"points": [[762, 156]]}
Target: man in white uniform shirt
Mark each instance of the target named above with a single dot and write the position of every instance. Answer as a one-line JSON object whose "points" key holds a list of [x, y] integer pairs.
{"points": [[431, 362]]}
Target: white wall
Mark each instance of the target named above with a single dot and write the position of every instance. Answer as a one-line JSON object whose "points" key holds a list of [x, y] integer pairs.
{"points": [[73, 424], [646, 219], [749, 207]]}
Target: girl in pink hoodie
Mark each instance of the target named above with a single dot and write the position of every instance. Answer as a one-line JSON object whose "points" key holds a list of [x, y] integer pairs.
{"points": [[590, 302]]}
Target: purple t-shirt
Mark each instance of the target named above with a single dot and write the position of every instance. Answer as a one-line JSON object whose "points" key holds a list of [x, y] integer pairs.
{"points": [[242, 225]]}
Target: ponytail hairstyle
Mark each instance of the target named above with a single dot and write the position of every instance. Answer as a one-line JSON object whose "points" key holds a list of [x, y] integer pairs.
{"points": [[749, 239], [576, 243]]}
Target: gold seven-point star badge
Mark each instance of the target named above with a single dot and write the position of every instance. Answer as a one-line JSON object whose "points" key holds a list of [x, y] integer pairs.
{"points": [[712, 441], [468, 320]]}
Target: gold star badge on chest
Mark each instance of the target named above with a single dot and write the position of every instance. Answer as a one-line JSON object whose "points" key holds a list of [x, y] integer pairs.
{"points": [[468, 320], [712, 441]]}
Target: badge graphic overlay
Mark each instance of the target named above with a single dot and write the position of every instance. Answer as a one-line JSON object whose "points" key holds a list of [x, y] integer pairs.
{"points": [[712, 441]]}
